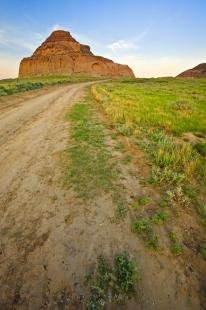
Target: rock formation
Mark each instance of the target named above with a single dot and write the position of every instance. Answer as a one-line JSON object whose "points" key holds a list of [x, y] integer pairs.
{"points": [[61, 54], [198, 71]]}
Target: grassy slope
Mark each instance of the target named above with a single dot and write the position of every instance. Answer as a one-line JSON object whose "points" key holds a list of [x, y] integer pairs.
{"points": [[154, 114], [12, 86]]}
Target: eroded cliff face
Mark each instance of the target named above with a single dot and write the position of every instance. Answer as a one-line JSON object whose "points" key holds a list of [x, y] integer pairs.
{"points": [[61, 54]]}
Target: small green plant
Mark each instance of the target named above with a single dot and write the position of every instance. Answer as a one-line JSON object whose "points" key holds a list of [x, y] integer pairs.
{"points": [[121, 210], [163, 204], [141, 202], [113, 283], [124, 130], [119, 147], [142, 227], [190, 192], [152, 241], [166, 175], [127, 159], [160, 217], [176, 247], [177, 197], [203, 251], [144, 200]]}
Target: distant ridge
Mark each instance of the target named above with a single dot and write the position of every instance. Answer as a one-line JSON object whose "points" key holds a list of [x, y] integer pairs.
{"points": [[198, 71]]}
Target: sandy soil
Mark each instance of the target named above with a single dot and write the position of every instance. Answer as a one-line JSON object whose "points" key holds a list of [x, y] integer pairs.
{"points": [[49, 239]]}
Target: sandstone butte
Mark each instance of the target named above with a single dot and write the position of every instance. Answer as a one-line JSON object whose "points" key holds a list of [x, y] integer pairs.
{"points": [[61, 54], [198, 71]]}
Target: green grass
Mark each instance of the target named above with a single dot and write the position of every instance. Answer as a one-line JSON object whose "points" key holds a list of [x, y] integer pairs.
{"points": [[91, 168], [155, 113], [12, 86], [175, 105], [112, 284]]}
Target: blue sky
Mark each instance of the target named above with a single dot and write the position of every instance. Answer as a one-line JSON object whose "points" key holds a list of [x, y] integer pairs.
{"points": [[156, 38]]}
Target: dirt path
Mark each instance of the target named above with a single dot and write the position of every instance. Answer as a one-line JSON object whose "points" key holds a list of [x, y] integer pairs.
{"points": [[49, 239], [32, 205]]}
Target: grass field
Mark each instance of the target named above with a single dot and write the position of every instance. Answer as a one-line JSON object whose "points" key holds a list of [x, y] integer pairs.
{"points": [[166, 118], [12, 86]]}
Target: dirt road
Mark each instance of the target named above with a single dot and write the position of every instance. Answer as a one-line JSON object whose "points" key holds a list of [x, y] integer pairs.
{"points": [[32, 134], [49, 239]]}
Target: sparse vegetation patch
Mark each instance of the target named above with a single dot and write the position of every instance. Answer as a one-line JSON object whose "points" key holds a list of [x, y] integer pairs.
{"points": [[112, 284]]}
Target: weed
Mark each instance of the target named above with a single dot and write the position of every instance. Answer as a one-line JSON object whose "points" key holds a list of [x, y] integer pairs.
{"points": [[125, 130], [152, 241], [189, 191], [119, 147], [121, 210], [144, 200], [142, 227], [127, 159], [160, 217], [163, 204], [113, 283], [141, 202], [166, 176], [176, 197], [176, 247]]}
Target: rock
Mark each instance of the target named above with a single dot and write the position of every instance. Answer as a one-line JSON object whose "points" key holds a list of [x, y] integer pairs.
{"points": [[61, 54], [198, 71]]}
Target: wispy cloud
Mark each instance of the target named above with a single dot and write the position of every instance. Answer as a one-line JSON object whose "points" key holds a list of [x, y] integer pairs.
{"points": [[122, 45], [129, 44]]}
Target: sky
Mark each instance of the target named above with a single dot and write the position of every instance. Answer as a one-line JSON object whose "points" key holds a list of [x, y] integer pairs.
{"points": [[155, 38]]}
